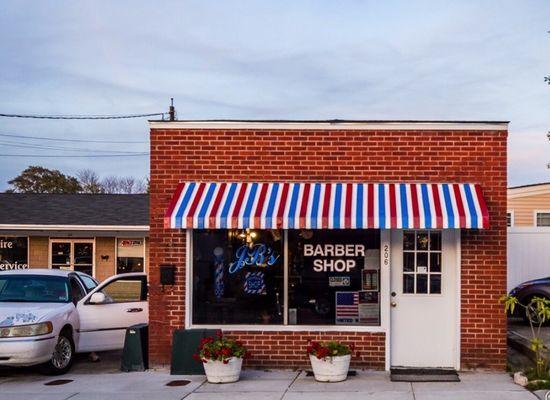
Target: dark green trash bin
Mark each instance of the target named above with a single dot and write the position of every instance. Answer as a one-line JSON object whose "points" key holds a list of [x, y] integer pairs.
{"points": [[184, 344], [135, 356]]}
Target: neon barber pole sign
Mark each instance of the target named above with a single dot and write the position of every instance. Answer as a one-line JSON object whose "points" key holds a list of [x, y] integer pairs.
{"points": [[258, 255]]}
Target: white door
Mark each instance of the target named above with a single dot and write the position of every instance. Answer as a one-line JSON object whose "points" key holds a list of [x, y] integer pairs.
{"points": [[103, 325], [424, 320]]}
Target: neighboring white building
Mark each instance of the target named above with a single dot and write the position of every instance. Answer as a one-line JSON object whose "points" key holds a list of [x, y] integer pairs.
{"points": [[528, 233]]}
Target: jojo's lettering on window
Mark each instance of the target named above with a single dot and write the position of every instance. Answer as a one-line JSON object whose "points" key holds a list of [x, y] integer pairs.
{"points": [[258, 255]]}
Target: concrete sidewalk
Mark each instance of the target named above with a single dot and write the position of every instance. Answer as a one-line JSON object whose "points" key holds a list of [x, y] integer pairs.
{"points": [[256, 385]]}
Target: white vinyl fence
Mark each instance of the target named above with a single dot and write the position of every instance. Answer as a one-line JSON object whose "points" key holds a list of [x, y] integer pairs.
{"points": [[528, 254]]}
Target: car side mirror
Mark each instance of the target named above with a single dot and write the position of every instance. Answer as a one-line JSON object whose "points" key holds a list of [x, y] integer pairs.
{"points": [[97, 298]]}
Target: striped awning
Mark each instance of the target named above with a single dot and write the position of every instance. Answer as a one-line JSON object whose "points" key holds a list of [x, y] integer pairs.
{"points": [[221, 205]]}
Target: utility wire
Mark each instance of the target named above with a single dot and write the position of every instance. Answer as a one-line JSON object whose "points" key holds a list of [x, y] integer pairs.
{"points": [[74, 156], [80, 116], [70, 140], [60, 148]]}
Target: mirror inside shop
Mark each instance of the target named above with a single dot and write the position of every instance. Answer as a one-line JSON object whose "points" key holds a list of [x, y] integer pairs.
{"points": [[332, 277]]}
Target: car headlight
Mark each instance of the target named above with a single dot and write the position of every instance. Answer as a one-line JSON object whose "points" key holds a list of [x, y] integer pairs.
{"points": [[42, 328]]}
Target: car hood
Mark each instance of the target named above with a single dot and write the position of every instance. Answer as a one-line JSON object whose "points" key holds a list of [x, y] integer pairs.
{"points": [[27, 313]]}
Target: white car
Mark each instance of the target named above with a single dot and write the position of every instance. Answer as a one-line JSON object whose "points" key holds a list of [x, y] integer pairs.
{"points": [[48, 315]]}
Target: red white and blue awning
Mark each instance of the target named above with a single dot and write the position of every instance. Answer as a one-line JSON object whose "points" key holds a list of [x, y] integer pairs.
{"points": [[226, 205]]}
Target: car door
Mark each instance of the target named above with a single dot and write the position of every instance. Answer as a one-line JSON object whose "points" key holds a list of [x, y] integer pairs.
{"points": [[103, 325]]}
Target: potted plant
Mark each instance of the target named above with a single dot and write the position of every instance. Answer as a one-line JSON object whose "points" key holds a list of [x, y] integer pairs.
{"points": [[330, 360], [222, 358]]}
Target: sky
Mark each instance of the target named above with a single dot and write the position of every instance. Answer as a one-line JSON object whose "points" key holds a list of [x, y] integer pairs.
{"points": [[449, 60]]}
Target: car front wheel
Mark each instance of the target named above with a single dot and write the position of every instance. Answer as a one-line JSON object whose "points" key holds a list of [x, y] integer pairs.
{"points": [[62, 357]]}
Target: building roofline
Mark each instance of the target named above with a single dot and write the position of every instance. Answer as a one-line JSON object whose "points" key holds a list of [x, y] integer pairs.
{"points": [[529, 190], [529, 185], [332, 124]]}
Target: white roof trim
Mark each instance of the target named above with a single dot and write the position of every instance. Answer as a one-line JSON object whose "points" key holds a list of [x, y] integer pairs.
{"points": [[128, 228], [543, 188], [375, 125]]}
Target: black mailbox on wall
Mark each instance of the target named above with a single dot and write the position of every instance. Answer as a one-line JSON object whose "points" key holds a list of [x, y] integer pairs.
{"points": [[167, 274]]}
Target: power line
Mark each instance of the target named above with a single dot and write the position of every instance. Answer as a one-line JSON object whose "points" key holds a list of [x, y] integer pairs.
{"points": [[127, 116], [70, 140], [74, 156], [61, 148]]}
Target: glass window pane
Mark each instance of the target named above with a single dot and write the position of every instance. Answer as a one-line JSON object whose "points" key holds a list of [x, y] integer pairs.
{"points": [[422, 240], [408, 262], [422, 283], [61, 253], [334, 277], [408, 240], [124, 290], [83, 253], [543, 219], [435, 240], [408, 283], [422, 262], [129, 264], [238, 277], [435, 262], [435, 283]]}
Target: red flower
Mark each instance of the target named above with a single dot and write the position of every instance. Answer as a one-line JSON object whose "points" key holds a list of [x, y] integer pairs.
{"points": [[225, 361], [196, 357], [226, 352], [219, 334], [309, 349]]}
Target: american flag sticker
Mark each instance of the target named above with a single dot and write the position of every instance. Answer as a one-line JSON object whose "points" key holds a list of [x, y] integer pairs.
{"points": [[347, 308]]}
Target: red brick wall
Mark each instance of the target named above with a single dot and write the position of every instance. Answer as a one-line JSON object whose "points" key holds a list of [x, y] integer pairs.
{"points": [[339, 155]]}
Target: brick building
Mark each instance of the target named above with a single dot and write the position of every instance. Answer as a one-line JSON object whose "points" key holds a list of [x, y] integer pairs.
{"points": [[388, 234], [100, 234]]}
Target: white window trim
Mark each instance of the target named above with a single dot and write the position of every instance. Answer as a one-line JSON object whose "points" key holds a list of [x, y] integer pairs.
{"points": [[115, 271], [72, 241], [512, 218], [535, 213], [384, 303]]}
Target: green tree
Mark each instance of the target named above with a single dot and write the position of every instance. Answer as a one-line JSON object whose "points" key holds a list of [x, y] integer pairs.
{"points": [[36, 179]]}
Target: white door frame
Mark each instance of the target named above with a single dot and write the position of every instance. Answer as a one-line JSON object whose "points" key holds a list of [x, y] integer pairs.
{"points": [[458, 262]]}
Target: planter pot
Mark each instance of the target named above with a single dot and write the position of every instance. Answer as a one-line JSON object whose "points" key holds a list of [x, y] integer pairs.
{"points": [[218, 372], [330, 369]]}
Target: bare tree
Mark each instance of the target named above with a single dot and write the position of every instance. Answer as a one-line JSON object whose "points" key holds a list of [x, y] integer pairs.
{"points": [[89, 181], [123, 185]]}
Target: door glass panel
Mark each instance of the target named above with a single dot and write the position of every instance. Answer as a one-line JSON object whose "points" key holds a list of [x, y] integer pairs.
{"points": [[435, 240], [61, 255], [422, 240], [408, 262], [422, 262], [408, 283], [422, 283], [435, 283], [123, 290], [435, 262], [83, 253], [408, 241]]}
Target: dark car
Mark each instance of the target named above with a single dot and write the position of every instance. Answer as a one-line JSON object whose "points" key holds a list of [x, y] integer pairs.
{"points": [[527, 290]]}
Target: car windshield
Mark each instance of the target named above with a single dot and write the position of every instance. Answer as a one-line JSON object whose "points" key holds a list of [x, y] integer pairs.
{"points": [[34, 289]]}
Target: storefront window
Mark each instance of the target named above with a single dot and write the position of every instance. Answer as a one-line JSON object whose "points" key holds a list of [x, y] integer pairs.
{"points": [[76, 255], [13, 253], [334, 277], [238, 277], [130, 255]]}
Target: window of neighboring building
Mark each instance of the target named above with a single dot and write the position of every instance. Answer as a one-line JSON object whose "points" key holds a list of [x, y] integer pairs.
{"points": [[509, 219], [130, 255], [422, 262], [543, 219], [14, 253], [74, 255]]}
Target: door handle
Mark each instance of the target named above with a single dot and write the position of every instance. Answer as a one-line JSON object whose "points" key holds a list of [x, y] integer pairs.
{"points": [[393, 304], [134, 310]]}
